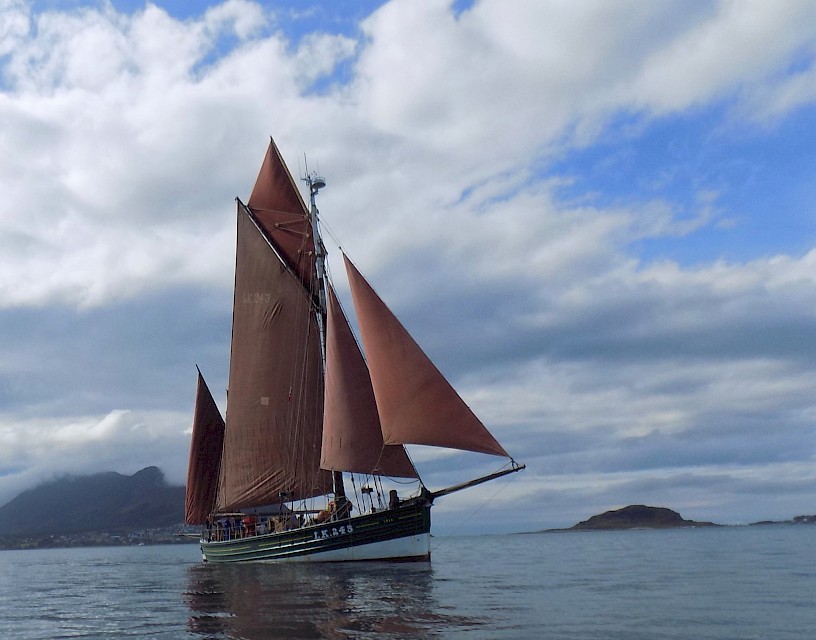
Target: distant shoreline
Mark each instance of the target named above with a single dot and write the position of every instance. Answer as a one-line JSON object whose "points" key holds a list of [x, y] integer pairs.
{"points": [[140, 538], [634, 517]]}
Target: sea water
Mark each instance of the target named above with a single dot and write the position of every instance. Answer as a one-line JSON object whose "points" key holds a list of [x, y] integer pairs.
{"points": [[720, 583]]}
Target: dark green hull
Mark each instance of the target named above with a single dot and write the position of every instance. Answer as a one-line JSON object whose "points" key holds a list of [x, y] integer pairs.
{"points": [[401, 533]]}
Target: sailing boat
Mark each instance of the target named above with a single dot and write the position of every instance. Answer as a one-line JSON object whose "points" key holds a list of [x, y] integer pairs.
{"points": [[305, 408]]}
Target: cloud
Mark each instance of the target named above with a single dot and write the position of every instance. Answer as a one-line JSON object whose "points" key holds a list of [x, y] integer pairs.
{"points": [[93, 150], [610, 371], [738, 47]]}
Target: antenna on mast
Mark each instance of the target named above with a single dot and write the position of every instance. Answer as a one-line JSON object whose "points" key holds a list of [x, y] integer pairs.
{"points": [[315, 181]]}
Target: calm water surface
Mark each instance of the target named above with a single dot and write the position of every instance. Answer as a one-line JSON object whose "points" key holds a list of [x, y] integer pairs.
{"points": [[729, 583]]}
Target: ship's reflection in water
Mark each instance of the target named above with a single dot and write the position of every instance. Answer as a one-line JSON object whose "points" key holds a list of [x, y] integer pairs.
{"points": [[333, 601]]}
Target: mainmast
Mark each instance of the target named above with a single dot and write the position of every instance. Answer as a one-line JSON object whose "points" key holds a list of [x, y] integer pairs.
{"points": [[316, 183]]}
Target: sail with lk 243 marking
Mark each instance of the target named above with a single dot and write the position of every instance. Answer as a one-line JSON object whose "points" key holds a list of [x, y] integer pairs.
{"points": [[274, 407]]}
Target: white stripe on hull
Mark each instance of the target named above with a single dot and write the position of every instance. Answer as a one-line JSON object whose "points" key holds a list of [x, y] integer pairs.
{"points": [[408, 547]]}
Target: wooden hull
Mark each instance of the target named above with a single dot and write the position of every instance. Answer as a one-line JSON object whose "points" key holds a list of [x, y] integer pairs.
{"points": [[402, 533]]}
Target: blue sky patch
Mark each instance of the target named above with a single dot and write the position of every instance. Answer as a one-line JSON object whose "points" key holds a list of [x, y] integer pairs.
{"points": [[752, 183]]}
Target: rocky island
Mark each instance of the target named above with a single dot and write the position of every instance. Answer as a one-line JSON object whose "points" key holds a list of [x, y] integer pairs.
{"points": [[638, 516]]}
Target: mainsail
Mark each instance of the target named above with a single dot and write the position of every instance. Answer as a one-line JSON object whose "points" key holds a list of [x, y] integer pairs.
{"points": [[205, 456], [275, 398]]}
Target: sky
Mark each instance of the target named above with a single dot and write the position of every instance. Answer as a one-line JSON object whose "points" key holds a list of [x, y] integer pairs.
{"points": [[597, 218]]}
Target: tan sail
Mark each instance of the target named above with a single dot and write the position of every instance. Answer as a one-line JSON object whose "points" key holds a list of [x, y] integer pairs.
{"points": [[205, 456], [352, 438], [274, 403], [276, 203], [416, 404]]}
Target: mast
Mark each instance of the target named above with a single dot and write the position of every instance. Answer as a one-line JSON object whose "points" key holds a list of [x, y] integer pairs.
{"points": [[316, 183]]}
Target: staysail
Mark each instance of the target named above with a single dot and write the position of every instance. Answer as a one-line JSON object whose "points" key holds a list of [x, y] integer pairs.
{"points": [[416, 404], [275, 398], [352, 438], [205, 456]]}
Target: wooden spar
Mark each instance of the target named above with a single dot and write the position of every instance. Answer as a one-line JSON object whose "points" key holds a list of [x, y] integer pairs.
{"points": [[472, 483]]}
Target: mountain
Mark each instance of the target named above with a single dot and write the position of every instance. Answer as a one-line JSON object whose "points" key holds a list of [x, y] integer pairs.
{"points": [[637, 516], [103, 502]]}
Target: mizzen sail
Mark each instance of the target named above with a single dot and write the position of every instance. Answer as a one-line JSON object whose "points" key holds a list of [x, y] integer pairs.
{"points": [[205, 456], [416, 404], [352, 438]]}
